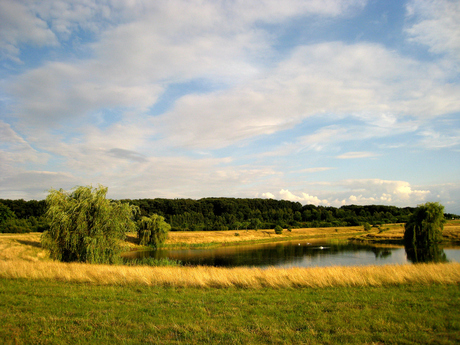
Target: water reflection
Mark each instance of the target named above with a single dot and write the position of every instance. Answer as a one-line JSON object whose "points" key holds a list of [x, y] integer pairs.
{"points": [[299, 254], [381, 253], [424, 254]]}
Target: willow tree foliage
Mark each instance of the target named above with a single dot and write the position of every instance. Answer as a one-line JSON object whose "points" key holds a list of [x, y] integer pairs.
{"points": [[425, 225], [153, 230], [85, 226]]}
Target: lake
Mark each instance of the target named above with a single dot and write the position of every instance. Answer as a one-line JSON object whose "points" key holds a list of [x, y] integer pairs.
{"points": [[292, 254]]}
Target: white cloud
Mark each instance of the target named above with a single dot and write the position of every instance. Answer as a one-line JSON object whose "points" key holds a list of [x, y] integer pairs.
{"points": [[48, 22], [67, 16], [314, 170], [354, 155], [399, 191], [154, 44], [19, 25], [304, 198], [15, 150], [135, 50], [364, 80], [268, 195], [164, 43], [436, 23], [274, 11], [60, 91], [436, 140], [35, 184], [359, 191]]}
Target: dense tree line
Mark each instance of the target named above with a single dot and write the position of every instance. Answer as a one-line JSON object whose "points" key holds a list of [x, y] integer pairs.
{"points": [[19, 216], [25, 209], [237, 214]]}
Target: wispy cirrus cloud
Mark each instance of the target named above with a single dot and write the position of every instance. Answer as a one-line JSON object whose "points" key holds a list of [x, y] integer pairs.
{"points": [[356, 155]]}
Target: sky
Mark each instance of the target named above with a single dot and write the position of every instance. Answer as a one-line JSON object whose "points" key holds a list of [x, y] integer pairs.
{"points": [[325, 102]]}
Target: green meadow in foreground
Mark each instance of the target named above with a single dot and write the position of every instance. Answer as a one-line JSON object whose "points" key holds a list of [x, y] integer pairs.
{"points": [[53, 312]]}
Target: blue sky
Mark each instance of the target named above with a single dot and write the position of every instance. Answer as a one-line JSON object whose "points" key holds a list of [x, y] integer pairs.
{"points": [[329, 102]]}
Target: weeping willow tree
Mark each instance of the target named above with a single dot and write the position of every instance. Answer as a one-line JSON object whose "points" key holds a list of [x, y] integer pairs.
{"points": [[85, 226], [425, 225], [423, 232], [153, 230]]}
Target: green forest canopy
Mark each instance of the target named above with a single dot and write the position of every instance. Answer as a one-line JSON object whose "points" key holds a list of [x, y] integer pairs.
{"points": [[237, 214]]}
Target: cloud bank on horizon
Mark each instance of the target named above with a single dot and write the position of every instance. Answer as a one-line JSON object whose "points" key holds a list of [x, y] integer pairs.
{"points": [[328, 102]]}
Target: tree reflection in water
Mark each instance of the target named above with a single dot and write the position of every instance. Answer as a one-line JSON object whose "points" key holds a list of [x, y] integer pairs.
{"points": [[381, 253], [423, 254]]}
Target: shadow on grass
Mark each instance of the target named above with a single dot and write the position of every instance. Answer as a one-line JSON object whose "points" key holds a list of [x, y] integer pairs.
{"points": [[35, 244]]}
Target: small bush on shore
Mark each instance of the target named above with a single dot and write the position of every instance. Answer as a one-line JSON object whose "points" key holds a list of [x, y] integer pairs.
{"points": [[278, 230]]}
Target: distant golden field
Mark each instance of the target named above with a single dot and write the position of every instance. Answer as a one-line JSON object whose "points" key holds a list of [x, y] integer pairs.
{"points": [[384, 232], [185, 238], [21, 256]]}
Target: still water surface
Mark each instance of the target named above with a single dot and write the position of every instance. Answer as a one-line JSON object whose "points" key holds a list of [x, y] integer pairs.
{"points": [[292, 254]]}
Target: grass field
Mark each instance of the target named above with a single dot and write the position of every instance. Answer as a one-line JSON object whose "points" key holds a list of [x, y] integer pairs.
{"points": [[46, 302], [52, 312]]}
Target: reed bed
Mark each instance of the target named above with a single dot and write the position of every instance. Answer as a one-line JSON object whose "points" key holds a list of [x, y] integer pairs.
{"points": [[213, 277]]}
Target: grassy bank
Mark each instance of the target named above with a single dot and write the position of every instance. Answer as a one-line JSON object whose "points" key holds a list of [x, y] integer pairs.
{"points": [[52, 312]]}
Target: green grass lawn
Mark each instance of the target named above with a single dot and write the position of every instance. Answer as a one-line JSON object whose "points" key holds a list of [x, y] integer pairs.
{"points": [[51, 312]]}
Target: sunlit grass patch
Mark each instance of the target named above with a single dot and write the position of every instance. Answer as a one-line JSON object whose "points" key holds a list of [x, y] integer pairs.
{"points": [[22, 247], [233, 277], [36, 312]]}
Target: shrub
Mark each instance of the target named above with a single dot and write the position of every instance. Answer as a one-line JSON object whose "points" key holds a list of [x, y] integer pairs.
{"points": [[278, 230], [367, 226], [149, 261]]}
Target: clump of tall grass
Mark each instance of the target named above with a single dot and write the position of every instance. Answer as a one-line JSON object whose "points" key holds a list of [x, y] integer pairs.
{"points": [[207, 277], [149, 261]]}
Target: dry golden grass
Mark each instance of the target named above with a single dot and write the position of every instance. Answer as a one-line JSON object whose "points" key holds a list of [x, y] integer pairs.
{"points": [[452, 230], [198, 237], [387, 232], [22, 247], [235, 277]]}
